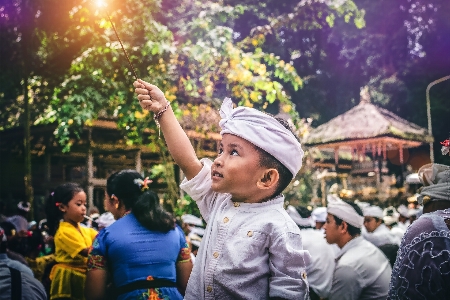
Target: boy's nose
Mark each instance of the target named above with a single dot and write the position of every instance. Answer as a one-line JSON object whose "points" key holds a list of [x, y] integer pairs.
{"points": [[218, 161]]}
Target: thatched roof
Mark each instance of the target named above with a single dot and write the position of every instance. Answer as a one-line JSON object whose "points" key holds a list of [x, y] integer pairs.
{"points": [[367, 121]]}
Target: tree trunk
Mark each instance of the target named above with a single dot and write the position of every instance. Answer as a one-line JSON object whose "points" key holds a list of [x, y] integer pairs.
{"points": [[27, 33], [27, 150]]}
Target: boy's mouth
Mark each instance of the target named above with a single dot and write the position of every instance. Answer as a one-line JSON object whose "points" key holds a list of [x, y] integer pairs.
{"points": [[215, 174]]}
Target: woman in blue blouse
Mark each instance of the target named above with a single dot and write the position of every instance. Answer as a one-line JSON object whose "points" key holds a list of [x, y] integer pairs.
{"points": [[144, 254]]}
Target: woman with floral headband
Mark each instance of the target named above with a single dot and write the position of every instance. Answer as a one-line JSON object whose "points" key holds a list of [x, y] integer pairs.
{"points": [[144, 252]]}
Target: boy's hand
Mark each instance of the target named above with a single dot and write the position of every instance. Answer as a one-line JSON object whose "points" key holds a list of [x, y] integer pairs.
{"points": [[150, 96]]}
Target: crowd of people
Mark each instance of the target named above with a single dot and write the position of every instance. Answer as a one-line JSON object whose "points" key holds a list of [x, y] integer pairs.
{"points": [[251, 247]]}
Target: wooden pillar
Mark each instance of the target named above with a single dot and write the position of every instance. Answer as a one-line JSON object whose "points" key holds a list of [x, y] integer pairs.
{"points": [[336, 158], [344, 182], [90, 165], [400, 149], [322, 188], [90, 169], [361, 153], [48, 172], [138, 161]]}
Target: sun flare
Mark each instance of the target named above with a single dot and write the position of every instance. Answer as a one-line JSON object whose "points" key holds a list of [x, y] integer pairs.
{"points": [[100, 3]]}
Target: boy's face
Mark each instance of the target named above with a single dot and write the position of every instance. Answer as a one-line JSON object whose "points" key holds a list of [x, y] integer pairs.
{"points": [[236, 170]]}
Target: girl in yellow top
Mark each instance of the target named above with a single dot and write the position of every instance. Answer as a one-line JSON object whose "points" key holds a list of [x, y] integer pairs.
{"points": [[68, 202]]}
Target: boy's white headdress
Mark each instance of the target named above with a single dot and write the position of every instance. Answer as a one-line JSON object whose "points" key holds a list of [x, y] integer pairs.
{"points": [[346, 212], [263, 131]]}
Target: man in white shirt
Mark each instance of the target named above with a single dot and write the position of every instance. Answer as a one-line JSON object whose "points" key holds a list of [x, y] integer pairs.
{"points": [[390, 219], [377, 233], [320, 270], [403, 218], [319, 215], [362, 271]]}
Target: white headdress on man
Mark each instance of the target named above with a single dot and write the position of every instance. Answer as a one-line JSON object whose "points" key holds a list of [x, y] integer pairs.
{"points": [[390, 215], [263, 131], [373, 211], [298, 219], [319, 214], [346, 212]]}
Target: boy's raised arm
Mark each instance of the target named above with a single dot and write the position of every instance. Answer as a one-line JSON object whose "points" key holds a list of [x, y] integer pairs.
{"points": [[152, 98]]}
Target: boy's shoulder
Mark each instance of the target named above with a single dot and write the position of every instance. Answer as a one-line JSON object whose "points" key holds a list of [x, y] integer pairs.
{"points": [[276, 221]]}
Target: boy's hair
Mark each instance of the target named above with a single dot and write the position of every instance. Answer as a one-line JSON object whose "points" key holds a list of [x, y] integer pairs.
{"points": [[268, 161], [352, 230]]}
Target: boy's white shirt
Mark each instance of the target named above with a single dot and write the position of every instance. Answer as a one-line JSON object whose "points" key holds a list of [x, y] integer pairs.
{"points": [[248, 251]]}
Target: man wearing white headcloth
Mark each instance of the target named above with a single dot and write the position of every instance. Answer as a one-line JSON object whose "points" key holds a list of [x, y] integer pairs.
{"points": [[422, 269], [320, 270], [319, 215], [361, 271], [376, 231], [403, 218], [251, 247], [390, 219]]}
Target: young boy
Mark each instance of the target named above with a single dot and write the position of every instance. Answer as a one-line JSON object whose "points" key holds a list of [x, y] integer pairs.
{"points": [[251, 248]]}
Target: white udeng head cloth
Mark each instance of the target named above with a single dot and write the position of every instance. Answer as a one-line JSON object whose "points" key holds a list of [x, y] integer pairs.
{"points": [[298, 219], [373, 211], [345, 212], [319, 214], [263, 131]]}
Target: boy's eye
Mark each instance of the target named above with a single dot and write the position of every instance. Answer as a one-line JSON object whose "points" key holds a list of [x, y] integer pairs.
{"points": [[220, 151], [234, 152]]}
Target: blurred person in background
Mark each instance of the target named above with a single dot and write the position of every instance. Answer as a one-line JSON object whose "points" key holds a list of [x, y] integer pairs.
{"points": [[319, 215], [403, 218], [320, 268], [421, 269], [16, 280], [362, 271], [104, 220], [390, 219], [376, 231], [162, 267], [19, 241]]}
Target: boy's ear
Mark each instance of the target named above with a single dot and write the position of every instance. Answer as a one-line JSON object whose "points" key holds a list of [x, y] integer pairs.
{"points": [[268, 180]]}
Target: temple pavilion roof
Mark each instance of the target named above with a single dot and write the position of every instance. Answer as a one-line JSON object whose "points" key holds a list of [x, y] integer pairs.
{"points": [[364, 123]]}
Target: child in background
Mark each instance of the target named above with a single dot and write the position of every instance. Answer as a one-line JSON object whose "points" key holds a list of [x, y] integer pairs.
{"points": [[72, 241], [251, 248]]}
